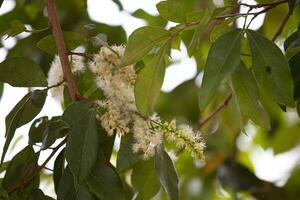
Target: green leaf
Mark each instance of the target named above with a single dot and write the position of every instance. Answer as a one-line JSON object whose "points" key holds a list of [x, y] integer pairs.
{"points": [[171, 10], [16, 27], [72, 40], [285, 139], [20, 168], [18, 72], [82, 146], [221, 29], [58, 169], [295, 71], [105, 183], [54, 130], [247, 94], [66, 188], [196, 42], [1, 89], [223, 59], [126, 158], [141, 41], [167, 174], [195, 16], [38, 194], [83, 193], [292, 4], [3, 194], [150, 79], [144, 180], [37, 129], [151, 20], [25, 110], [75, 111], [271, 69]]}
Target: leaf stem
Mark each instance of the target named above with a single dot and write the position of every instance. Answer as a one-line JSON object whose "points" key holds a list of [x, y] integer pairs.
{"points": [[215, 112], [62, 51], [37, 170], [282, 25]]}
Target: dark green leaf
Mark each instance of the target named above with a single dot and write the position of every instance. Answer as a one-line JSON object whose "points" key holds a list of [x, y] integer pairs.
{"points": [[18, 72], [58, 169], [196, 42], [119, 4], [167, 173], [25, 110], [295, 71], [292, 4], [37, 129], [1, 89], [271, 69], [126, 158], [16, 27], [3, 194], [66, 189], [247, 94], [286, 139], [82, 146], [38, 194], [150, 79], [75, 111], [144, 180], [105, 183], [171, 10], [55, 129], [141, 41], [223, 59], [20, 168], [72, 40], [83, 193]]}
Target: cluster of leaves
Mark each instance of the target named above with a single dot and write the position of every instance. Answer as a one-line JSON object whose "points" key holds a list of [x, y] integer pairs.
{"points": [[243, 67]]}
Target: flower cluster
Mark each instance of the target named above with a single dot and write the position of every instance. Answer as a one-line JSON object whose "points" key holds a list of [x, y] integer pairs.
{"points": [[55, 74], [120, 115]]}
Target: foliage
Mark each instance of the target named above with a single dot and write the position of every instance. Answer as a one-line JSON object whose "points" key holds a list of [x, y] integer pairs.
{"points": [[110, 94]]}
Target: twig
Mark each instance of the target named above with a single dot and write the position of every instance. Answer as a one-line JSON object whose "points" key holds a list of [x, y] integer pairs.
{"points": [[276, 3], [216, 111], [282, 25], [56, 85], [38, 169], [62, 51], [267, 6]]}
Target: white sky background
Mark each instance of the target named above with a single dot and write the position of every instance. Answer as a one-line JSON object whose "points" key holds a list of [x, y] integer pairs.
{"points": [[107, 12]]}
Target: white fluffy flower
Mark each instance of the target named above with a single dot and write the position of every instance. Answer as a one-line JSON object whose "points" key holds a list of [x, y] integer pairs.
{"points": [[55, 74]]}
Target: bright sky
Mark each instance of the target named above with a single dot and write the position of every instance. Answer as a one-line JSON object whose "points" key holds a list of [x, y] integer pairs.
{"points": [[107, 12]]}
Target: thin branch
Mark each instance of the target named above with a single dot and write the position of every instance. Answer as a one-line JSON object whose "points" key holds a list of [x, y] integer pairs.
{"points": [[37, 170], [215, 112], [56, 85], [62, 51], [282, 25], [266, 6], [261, 5]]}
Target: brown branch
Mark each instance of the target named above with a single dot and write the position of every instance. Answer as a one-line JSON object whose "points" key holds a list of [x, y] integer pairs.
{"points": [[62, 51], [282, 25], [267, 7], [37, 170], [215, 112], [276, 3]]}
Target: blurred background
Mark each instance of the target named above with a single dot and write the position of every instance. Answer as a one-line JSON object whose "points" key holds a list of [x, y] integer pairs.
{"points": [[247, 161]]}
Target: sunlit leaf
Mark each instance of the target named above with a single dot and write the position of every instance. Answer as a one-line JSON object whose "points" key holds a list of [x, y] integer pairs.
{"points": [[171, 10], [141, 41], [271, 69], [223, 59], [167, 173]]}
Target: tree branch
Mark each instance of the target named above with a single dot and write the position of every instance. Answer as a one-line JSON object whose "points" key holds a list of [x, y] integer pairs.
{"points": [[282, 25], [62, 51], [216, 111]]}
